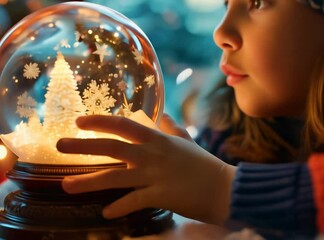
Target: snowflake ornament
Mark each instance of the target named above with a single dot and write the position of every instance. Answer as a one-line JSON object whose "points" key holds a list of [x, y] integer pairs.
{"points": [[101, 51], [97, 100], [24, 112], [150, 80], [31, 70], [139, 58], [26, 106]]}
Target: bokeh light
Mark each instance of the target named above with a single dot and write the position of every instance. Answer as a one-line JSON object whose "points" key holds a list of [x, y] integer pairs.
{"points": [[3, 152], [3, 2]]}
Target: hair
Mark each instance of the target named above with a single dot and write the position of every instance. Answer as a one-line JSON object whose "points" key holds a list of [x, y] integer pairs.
{"points": [[257, 139], [314, 128], [252, 139]]}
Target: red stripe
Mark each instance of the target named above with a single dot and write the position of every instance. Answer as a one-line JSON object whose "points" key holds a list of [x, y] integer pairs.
{"points": [[316, 166]]}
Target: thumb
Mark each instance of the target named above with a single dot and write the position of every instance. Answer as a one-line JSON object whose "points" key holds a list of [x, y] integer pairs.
{"points": [[132, 202]]}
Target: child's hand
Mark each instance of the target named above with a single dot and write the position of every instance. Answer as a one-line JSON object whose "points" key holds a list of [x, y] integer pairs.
{"points": [[166, 171], [168, 126]]}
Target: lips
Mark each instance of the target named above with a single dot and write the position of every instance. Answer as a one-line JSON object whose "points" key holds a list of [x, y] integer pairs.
{"points": [[234, 76]]}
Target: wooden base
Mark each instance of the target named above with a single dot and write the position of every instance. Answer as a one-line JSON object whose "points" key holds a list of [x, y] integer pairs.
{"points": [[133, 225], [41, 210]]}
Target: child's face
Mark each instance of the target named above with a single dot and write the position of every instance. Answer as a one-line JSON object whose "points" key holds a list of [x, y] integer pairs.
{"points": [[269, 50]]}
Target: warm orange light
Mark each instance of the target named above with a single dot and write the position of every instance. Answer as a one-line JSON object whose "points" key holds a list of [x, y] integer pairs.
{"points": [[3, 2], [3, 152]]}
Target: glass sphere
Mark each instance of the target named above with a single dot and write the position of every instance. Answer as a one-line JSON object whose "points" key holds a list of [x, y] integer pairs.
{"points": [[68, 60]]}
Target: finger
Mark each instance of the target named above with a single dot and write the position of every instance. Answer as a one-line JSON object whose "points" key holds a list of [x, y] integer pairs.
{"points": [[133, 201], [121, 126], [130, 153], [102, 180], [169, 126]]}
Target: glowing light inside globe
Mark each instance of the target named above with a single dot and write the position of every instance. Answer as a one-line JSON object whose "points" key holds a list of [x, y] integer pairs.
{"points": [[3, 152], [69, 60]]}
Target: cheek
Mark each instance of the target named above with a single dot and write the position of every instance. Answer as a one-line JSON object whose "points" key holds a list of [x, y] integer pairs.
{"points": [[284, 74], [276, 87], [279, 68], [268, 97]]}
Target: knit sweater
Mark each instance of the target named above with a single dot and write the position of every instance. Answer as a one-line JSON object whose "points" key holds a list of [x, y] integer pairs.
{"points": [[282, 201]]}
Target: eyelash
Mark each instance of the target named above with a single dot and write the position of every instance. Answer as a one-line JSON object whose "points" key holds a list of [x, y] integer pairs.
{"points": [[253, 4]]}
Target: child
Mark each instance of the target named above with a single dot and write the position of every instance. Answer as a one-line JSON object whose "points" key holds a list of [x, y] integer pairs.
{"points": [[273, 56]]}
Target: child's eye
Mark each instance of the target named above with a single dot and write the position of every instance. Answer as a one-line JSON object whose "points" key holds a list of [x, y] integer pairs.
{"points": [[255, 4], [258, 4]]}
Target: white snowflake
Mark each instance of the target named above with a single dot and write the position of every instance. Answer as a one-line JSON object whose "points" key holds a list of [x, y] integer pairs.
{"points": [[25, 105], [101, 51], [150, 80], [64, 43], [31, 70], [97, 99], [139, 58]]}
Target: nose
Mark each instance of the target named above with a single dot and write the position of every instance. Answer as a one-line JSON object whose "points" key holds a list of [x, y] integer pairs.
{"points": [[227, 35]]}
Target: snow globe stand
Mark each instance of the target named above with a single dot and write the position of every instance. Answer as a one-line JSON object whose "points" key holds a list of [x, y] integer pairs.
{"points": [[41, 210]]}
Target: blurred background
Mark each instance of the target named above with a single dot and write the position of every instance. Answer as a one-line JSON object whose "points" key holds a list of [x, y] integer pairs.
{"points": [[181, 31]]}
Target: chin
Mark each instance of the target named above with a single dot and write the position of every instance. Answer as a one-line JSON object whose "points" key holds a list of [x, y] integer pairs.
{"points": [[260, 108], [266, 112], [254, 114], [256, 111]]}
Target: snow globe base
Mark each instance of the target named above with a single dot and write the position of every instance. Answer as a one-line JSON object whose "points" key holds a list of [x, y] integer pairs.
{"points": [[42, 210]]}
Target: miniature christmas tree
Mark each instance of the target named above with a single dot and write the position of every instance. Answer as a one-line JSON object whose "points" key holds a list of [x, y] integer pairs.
{"points": [[63, 102]]}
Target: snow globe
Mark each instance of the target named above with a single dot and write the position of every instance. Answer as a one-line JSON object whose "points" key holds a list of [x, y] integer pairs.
{"points": [[61, 62]]}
